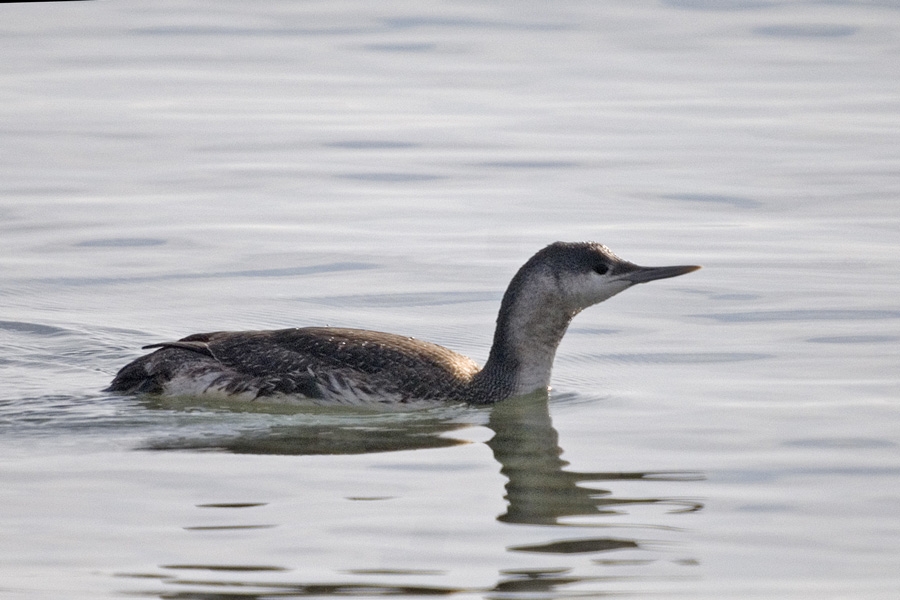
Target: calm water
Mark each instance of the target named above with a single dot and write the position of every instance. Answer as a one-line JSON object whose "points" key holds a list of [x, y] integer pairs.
{"points": [[175, 167]]}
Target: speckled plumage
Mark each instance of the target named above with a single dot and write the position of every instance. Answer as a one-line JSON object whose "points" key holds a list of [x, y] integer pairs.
{"points": [[341, 366], [323, 363]]}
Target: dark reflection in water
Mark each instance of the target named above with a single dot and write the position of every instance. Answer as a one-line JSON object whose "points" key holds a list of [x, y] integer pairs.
{"points": [[226, 568], [578, 546], [231, 505], [292, 590], [539, 490], [309, 439], [284, 430], [512, 583]]}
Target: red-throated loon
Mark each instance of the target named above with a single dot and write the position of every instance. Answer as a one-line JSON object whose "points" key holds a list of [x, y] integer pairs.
{"points": [[355, 366]]}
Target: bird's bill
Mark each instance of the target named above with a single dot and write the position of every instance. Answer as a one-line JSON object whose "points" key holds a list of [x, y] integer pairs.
{"points": [[644, 274]]}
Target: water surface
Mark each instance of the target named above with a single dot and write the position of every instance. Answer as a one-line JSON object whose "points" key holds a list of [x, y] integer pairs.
{"points": [[171, 168]]}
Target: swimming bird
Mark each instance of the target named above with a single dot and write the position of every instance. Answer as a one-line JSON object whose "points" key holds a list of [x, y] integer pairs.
{"points": [[355, 366]]}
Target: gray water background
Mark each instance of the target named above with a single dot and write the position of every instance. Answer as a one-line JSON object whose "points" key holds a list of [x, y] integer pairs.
{"points": [[175, 167]]}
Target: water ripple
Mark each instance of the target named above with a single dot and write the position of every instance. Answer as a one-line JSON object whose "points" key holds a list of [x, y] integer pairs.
{"points": [[403, 300], [281, 272], [736, 201], [527, 164], [854, 339], [371, 145], [121, 243], [579, 546], [804, 315], [675, 358], [33, 328], [806, 30], [387, 177]]}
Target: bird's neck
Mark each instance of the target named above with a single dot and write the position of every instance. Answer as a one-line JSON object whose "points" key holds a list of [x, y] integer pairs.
{"points": [[530, 326]]}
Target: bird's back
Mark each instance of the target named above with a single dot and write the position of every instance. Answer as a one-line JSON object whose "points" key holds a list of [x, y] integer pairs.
{"points": [[331, 364]]}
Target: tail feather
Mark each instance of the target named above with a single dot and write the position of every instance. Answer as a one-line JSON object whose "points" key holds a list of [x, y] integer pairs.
{"points": [[136, 378]]}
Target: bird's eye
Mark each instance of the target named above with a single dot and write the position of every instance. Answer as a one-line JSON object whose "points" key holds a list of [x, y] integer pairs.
{"points": [[601, 269]]}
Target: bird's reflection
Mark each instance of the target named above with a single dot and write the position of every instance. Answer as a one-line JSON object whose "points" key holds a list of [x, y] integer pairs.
{"points": [[539, 489], [276, 429], [351, 437]]}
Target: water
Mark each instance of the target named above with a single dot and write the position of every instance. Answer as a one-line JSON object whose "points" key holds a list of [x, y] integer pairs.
{"points": [[173, 167]]}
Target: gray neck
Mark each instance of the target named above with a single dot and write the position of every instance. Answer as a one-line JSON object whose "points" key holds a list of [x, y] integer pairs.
{"points": [[530, 326]]}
